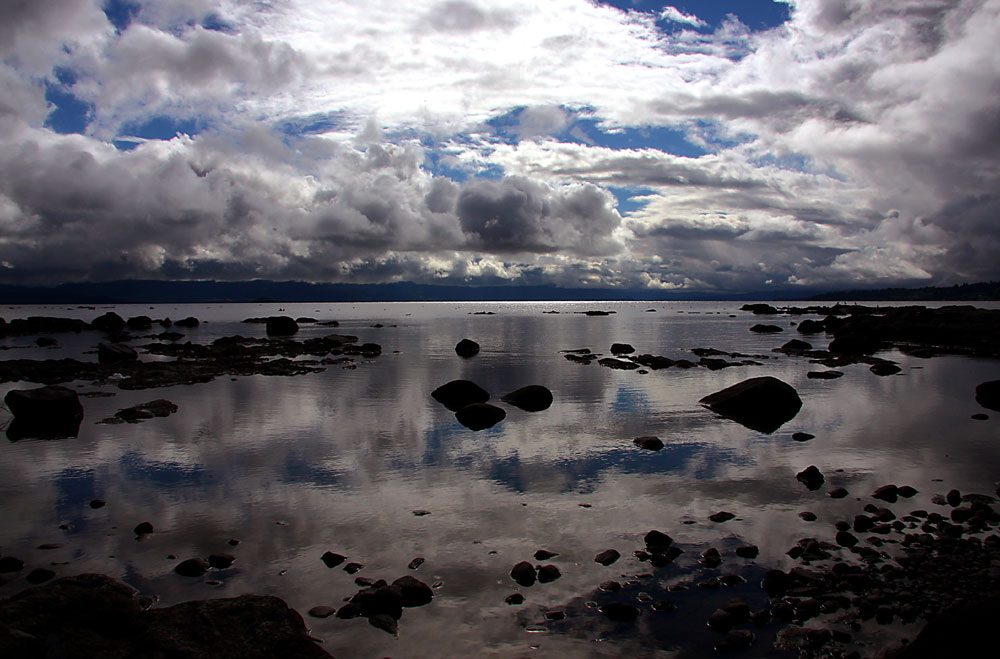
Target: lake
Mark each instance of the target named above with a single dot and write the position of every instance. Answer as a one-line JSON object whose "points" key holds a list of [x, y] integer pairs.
{"points": [[361, 461]]}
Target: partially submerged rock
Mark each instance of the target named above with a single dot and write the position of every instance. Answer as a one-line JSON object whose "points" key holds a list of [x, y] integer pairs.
{"points": [[648, 442], [811, 477], [115, 353], [532, 398], [467, 348], [988, 395], [763, 403], [480, 416], [45, 412], [142, 412], [459, 393], [281, 326]]}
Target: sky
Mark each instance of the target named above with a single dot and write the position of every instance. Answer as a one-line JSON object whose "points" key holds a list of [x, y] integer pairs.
{"points": [[706, 145]]}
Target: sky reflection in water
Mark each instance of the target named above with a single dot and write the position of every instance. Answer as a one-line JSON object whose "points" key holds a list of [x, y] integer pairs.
{"points": [[293, 467]]}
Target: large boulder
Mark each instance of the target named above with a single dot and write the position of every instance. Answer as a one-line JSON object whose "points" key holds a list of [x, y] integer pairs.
{"points": [[480, 416], [45, 412], [458, 393], [281, 326], [763, 404], [109, 322], [92, 615], [988, 395], [532, 398]]}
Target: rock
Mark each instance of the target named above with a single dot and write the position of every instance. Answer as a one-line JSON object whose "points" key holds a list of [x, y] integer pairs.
{"points": [[353, 568], [886, 493], [808, 516], [748, 551], [189, 322], [45, 412], [98, 503], [906, 491], [548, 573], [721, 516], [479, 416], [618, 364], [721, 621], [619, 611], [416, 563], [759, 309], [657, 541], [607, 557], [332, 560], [115, 353], [524, 574], [192, 567], [139, 323], [379, 599], [532, 398], [988, 395], [838, 493], [413, 591], [143, 528], [763, 403], [384, 622], [775, 583], [846, 539], [45, 342], [811, 477], [954, 498], [884, 368], [824, 375], [459, 393], [610, 586], [109, 322], [221, 561], [795, 345], [621, 349], [514, 599], [467, 348], [138, 413], [980, 417], [39, 575], [10, 564], [810, 326], [855, 344], [95, 616], [281, 326], [322, 611], [544, 554], [648, 442], [766, 329], [802, 436]]}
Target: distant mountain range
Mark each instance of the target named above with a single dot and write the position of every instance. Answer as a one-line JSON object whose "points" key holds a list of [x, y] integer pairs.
{"points": [[162, 292]]}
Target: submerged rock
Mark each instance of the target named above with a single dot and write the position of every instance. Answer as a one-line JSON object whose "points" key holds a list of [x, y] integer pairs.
{"points": [[532, 398], [480, 416], [824, 375], [467, 348], [763, 403], [619, 364], [459, 393]]}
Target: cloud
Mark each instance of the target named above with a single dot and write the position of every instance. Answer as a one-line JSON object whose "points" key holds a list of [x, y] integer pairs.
{"points": [[675, 15]]}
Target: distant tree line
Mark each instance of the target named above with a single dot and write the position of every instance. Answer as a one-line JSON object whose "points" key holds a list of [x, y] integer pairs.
{"points": [[980, 292]]}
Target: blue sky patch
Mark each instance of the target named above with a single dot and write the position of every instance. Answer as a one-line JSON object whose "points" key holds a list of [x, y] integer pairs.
{"points": [[69, 114], [121, 12], [162, 127], [758, 15]]}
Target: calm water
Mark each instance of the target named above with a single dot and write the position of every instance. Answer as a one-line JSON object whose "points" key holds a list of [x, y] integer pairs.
{"points": [[339, 460]]}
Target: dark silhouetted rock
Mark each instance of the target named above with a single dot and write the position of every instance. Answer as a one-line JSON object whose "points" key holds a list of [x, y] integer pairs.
{"points": [[379, 599], [459, 393], [618, 364], [838, 493], [45, 342], [855, 344], [192, 567], [759, 309], [467, 348], [332, 560], [480, 416], [115, 353], [824, 375], [766, 329], [619, 611], [189, 322], [39, 575], [548, 573], [109, 322], [802, 436], [45, 412], [98, 503], [94, 616], [886, 493], [795, 346], [648, 442], [657, 541], [281, 326], [143, 528], [811, 477], [747, 551], [139, 323], [413, 591], [954, 498], [514, 599], [721, 621], [10, 564], [884, 368], [763, 403], [221, 561], [524, 574], [322, 611], [544, 554], [532, 398], [721, 516], [138, 413], [846, 539], [607, 557], [775, 583], [906, 491], [810, 326], [621, 349], [988, 395]]}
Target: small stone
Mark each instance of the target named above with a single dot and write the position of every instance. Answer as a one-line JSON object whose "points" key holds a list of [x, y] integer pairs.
{"points": [[610, 586], [721, 516], [332, 560], [544, 554], [657, 541], [838, 493], [607, 557], [548, 573], [384, 622], [887, 493], [906, 491], [748, 551], [98, 503], [811, 477], [416, 562], [322, 611], [467, 348], [808, 516], [143, 528], [803, 436], [555, 615], [39, 575], [954, 498], [414, 591], [846, 539], [514, 599], [721, 621], [619, 611], [192, 567], [421, 513], [351, 568], [664, 606], [221, 561], [648, 442], [524, 574], [232, 542], [980, 417]]}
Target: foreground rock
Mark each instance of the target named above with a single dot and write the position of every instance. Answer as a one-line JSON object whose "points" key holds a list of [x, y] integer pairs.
{"points": [[763, 404], [459, 393], [480, 416], [45, 412], [92, 615], [988, 395], [467, 348], [532, 398], [142, 412]]}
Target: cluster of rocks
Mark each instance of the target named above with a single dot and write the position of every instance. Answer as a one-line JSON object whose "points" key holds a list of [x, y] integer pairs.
{"points": [[623, 359], [468, 401], [142, 412]]}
